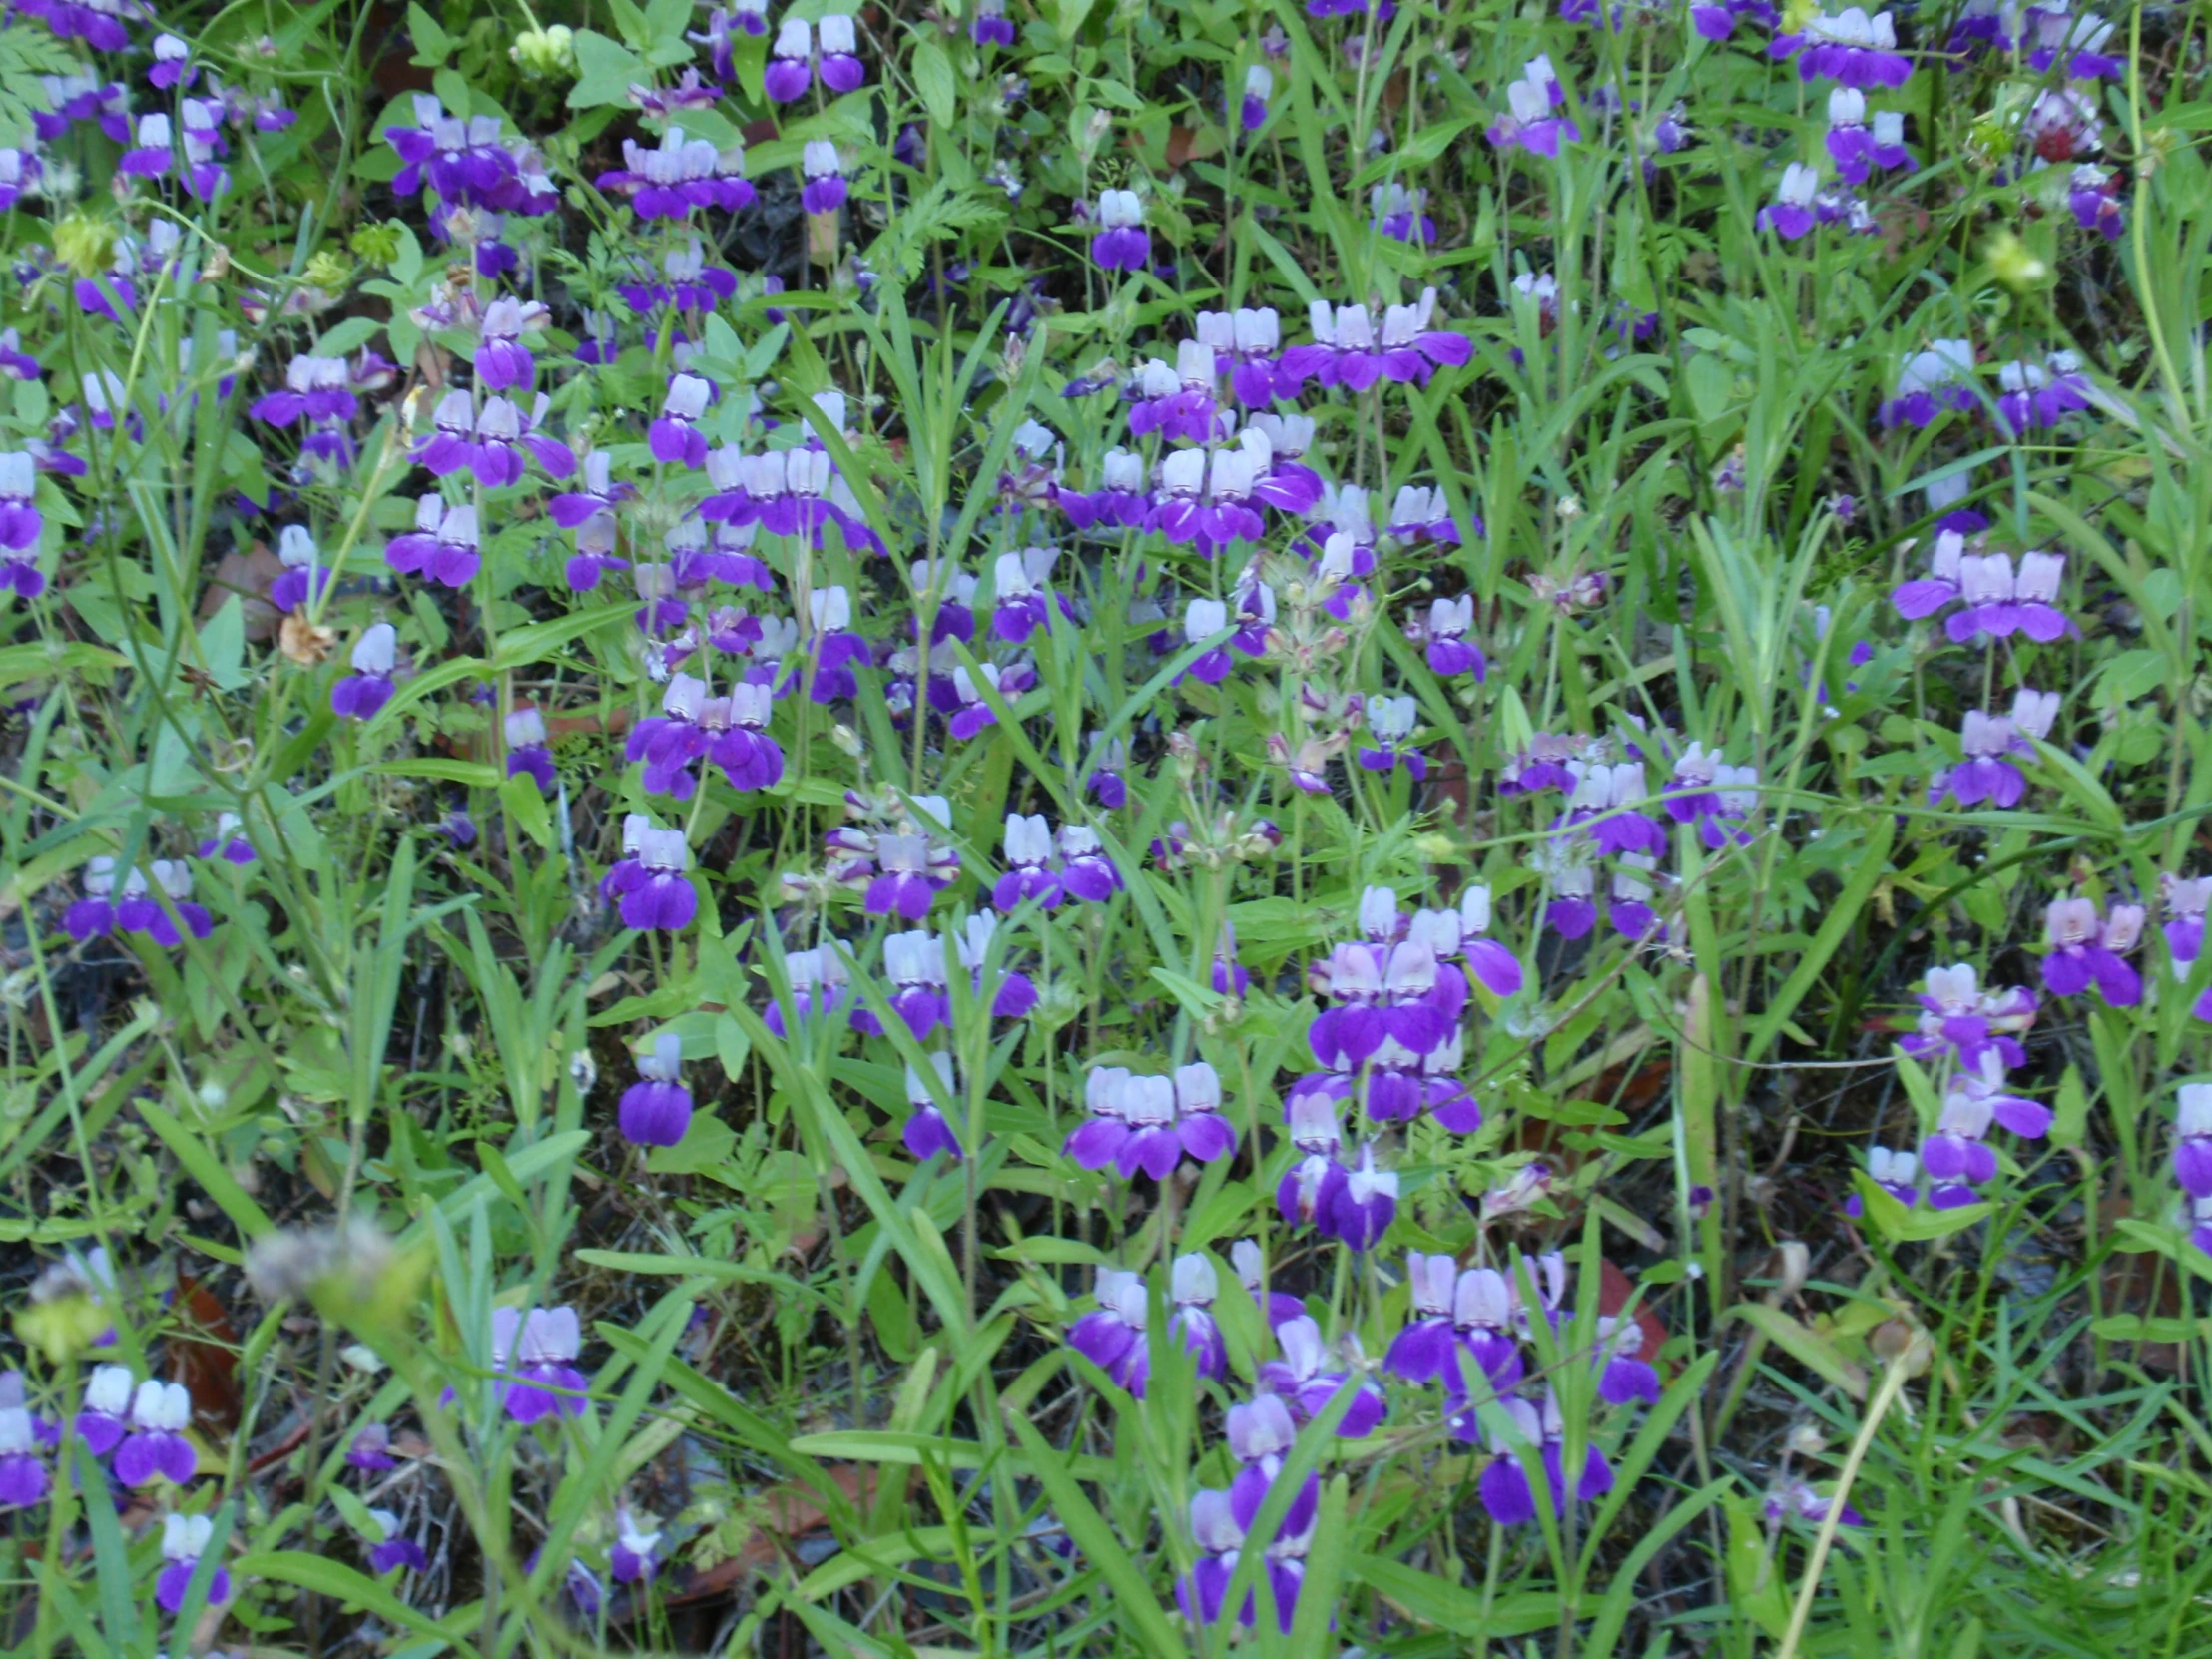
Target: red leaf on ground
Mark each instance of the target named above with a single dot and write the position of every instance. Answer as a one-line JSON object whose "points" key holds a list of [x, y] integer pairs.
{"points": [[204, 1354]]}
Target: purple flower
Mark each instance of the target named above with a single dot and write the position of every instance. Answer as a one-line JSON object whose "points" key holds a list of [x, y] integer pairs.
{"points": [[1218, 1523], [1421, 515], [1392, 720], [990, 26], [1086, 872], [2062, 125], [634, 1556], [1896, 1173], [2093, 192], [304, 576], [490, 444], [156, 1447], [1363, 1207], [1149, 1123], [824, 190], [817, 985], [390, 1548], [1792, 213], [1120, 501], [1957, 1014], [1114, 1339], [911, 879], [656, 1110], [1028, 854], [362, 694], [1531, 121], [1600, 806], [1981, 24], [1025, 598], [2072, 42], [747, 755], [1398, 993], [659, 897], [1851, 46], [185, 1538], [98, 23], [371, 1450], [789, 64], [1399, 212], [670, 741], [1801, 1503], [23, 1476], [1986, 773], [927, 1131], [2193, 1140], [1113, 1336], [527, 754], [131, 907], [443, 545], [2002, 604], [1485, 1310], [503, 363], [1122, 243], [1306, 1386], [839, 67], [1707, 792], [914, 961], [465, 159], [2034, 397], [1622, 1376], [674, 438], [2085, 951], [1424, 1349], [1306, 1194], [99, 1420], [316, 389], [2186, 901], [538, 1352], [1940, 586], [1258, 88], [1504, 1487], [1202, 618]]}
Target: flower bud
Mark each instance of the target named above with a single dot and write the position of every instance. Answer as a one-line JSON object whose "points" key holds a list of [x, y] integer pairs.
{"points": [[84, 245], [542, 53]]}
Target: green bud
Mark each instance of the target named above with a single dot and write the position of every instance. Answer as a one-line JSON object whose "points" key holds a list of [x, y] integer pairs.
{"points": [[64, 1327], [375, 244], [86, 245], [329, 270], [545, 52], [2015, 264]]}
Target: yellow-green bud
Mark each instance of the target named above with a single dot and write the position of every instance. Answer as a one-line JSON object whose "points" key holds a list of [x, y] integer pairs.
{"points": [[377, 245], [2015, 264], [545, 52], [86, 245]]}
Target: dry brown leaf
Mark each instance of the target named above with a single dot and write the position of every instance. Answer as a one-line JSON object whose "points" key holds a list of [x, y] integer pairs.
{"points": [[305, 643]]}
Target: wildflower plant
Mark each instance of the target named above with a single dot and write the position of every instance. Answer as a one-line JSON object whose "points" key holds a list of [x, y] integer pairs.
{"points": [[1098, 829]]}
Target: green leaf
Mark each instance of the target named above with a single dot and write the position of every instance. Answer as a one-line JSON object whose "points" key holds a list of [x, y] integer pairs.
{"points": [[1806, 1346], [1921, 1222], [1872, 866], [351, 1587], [1135, 1607], [933, 78], [731, 1047], [519, 794], [1454, 1608], [706, 1147], [207, 1169], [605, 71], [432, 44]]}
